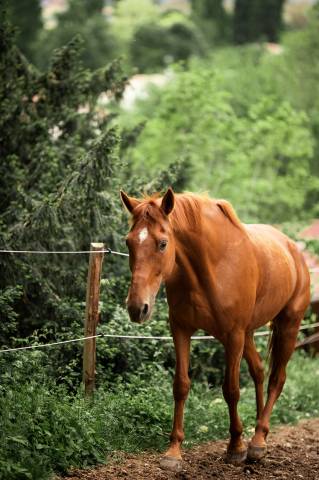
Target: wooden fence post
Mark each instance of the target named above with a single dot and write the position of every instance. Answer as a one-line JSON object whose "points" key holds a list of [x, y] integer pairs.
{"points": [[92, 315]]}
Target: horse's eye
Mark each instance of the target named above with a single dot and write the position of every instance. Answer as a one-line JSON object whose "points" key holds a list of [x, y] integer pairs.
{"points": [[162, 245]]}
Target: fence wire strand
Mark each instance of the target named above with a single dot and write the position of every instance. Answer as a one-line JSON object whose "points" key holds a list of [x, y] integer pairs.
{"points": [[75, 252], [135, 337]]}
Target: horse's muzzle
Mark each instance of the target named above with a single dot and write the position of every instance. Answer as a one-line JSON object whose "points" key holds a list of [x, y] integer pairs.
{"points": [[139, 313]]}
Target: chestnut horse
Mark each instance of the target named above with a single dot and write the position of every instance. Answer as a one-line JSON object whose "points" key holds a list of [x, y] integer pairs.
{"points": [[226, 278]]}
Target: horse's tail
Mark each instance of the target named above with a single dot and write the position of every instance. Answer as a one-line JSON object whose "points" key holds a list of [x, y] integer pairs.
{"points": [[281, 343], [273, 346]]}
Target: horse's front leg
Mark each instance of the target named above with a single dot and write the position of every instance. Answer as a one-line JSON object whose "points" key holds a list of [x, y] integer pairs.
{"points": [[234, 345], [172, 458]]}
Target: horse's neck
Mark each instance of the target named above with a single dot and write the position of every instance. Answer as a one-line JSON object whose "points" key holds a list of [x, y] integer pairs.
{"points": [[195, 252], [199, 250]]}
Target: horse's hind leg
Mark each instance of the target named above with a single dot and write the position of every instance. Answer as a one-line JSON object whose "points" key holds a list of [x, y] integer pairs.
{"points": [[256, 370], [285, 331]]}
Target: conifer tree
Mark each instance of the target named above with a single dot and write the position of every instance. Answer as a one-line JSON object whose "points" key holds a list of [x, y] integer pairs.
{"points": [[26, 15], [62, 166], [257, 19], [212, 17], [59, 174]]}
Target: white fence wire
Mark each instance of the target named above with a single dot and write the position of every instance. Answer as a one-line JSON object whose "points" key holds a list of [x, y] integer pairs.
{"points": [[136, 337]]}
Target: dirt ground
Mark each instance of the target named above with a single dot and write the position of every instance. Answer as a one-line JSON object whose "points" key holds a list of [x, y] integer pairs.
{"points": [[293, 453]]}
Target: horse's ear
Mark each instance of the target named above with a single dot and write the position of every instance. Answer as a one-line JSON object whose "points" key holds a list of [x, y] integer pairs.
{"points": [[129, 202], [168, 200]]}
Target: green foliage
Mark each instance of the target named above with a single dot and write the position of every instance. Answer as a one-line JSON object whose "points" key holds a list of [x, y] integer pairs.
{"points": [[8, 298], [255, 153], [150, 39], [26, 15], [52, 195], [61, 176], [213, 20], [118, 359], [84, 18], [154, 45], [45, 429], [257, 19], [233, 125], [303, 63], [129, 15]]}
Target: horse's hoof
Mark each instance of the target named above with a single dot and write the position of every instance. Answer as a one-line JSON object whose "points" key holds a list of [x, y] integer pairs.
{"points": [[256, 453], [236, 458], [171, 463]]}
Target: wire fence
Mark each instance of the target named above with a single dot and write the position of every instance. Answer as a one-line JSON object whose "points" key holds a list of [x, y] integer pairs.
{"points": [[137, 337], [75, 252], [103, 335]]}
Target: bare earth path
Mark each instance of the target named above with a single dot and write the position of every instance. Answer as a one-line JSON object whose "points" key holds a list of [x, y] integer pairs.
{"points": [[293, 453]]}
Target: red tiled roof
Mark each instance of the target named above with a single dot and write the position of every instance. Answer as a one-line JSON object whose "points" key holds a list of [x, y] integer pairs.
{"points": [[312, 262], [312, 231]]}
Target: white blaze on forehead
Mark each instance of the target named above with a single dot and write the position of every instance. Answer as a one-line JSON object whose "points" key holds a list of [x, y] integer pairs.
{"points": [[143, 235]]}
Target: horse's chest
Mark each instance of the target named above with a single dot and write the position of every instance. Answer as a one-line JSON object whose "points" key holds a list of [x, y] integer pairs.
{"points": [[198, 311]]}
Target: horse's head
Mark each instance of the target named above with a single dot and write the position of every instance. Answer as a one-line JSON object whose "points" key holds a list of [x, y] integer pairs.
{"points": [[152, 251]]}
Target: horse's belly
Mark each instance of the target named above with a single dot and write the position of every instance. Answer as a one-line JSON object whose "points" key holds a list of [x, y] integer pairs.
{"points": [[264, 313], [273, 299], [277, 273]]}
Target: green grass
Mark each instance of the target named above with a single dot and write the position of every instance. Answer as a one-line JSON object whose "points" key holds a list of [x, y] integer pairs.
{"points": [[44, 429]]}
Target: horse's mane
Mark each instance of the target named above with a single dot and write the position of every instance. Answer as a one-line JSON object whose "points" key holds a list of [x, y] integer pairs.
{"points": [[188, 210]]}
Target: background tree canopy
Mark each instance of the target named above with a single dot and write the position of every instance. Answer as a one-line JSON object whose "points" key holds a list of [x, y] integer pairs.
{"points": [[140, 31], [257, 153]]}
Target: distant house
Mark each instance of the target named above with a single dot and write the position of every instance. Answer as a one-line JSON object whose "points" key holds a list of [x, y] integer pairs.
{"points": [[311, 232]]}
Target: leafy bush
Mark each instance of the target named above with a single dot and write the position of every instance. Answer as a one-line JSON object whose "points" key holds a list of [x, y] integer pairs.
{"points": [[45, 429], [84, 18], [257, 155], [118, 359], [154, 46], [213, 20], [303, 64], [129, 15], [247, 133]]}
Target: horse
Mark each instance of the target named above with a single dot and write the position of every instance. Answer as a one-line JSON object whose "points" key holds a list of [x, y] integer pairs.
{"points": [[227, 278]]}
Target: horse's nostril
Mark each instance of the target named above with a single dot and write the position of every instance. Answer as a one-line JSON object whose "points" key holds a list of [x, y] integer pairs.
{"points": [[138, 312]]}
